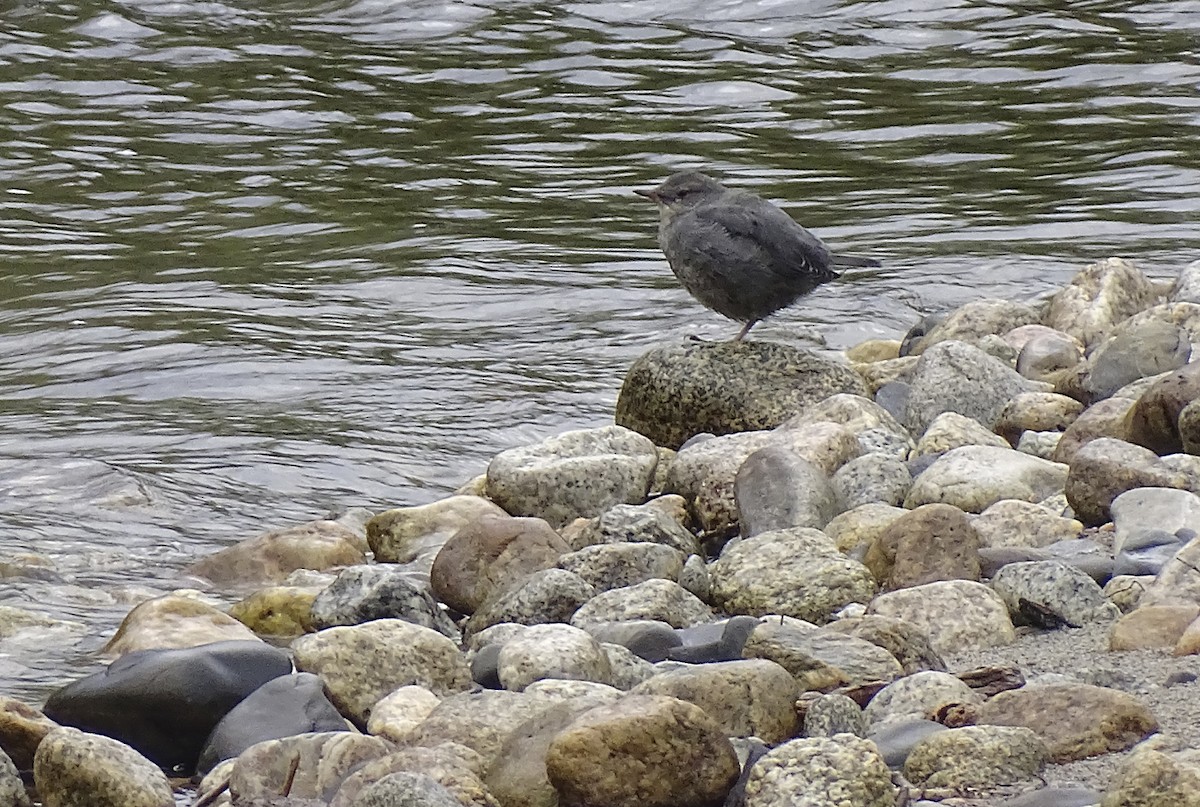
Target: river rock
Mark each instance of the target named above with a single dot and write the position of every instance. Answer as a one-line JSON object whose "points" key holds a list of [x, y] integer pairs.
{"points": [[363, 593], [414, 535], [955, 614], [575, 474], [1036, 412], [361, 663], [821, 772], [1156, 777], [957, 377], [875, 477], [642, 751], [12, 788], [481, 720], [674, 392], [175, 621], [874, 427], [1179, 580], [973, 478], [975, 320], [1011, 522], [1105, 468], [325, 759], [518, 777], [76, 769], [932, 542], [490, 556], [552, 651], [282, 612], [551, 595], [453, 767], [609, 566], [1054, 588], [646, 523], [282, 707], [821, 659], [796, 572], [860, 527], [1097, 298], [1152, 626], [1133, 351], [832, 714], [662, 600], [1046, 353], [716, 641], [164, 703], [1153, 421], [748, 698], [1102, 419], [1186, 288], [921, 695], [272, 556], [394, 716], [950, 430], [903, 640], [1074, 720], [21, 731], [976, 757], [405, 789], [775, 488]]}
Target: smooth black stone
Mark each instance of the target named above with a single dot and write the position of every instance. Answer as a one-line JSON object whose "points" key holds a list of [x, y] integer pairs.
{"points": [[165, 703], [485, 666], [282, 707], [702, 644]]}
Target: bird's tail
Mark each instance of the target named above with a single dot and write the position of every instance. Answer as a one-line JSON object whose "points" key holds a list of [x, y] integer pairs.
{"points": [[853, 260]]}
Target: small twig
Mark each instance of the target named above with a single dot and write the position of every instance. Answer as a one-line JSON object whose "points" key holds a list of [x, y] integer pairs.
{"points": [[212, 795], [291, 777]]}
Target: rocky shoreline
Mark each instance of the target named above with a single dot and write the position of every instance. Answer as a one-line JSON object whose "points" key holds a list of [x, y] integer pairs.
{"points": [[962, 568]]}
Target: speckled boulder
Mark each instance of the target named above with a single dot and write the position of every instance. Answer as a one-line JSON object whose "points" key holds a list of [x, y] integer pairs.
{"points": [[451, 766], [552, 651], [481, 720], [1105, 468], [175, 621], [642, 751], [76, 769], [1102, 419], [932, 542], [874, 427], [1037, 412], [973, 478], [362, 663], [862, 525], [572, 475], [1154, 420], [272, 556], [776, 488], [1179, 580], [1056, 588], [382, 591], [405, 789], [955, 614], [1011, 522], [672, 393], [920, 695], [875, 477], [907, 644], [325, 759], [796, 572], [1156, 775], [951, 430], [1074, 720], [832, 714], [492, 555], [974, 320], [12, 788], [957, 377], [821, 772], [609, 566], [395, 715], [663, 600], [413, 535], [551, 595], [645, 523], [975, 758], [819, 659], [1097, 298], [748, 698]]}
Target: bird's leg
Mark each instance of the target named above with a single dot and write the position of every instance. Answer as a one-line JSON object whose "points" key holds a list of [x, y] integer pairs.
{"points": [[745, 330]]}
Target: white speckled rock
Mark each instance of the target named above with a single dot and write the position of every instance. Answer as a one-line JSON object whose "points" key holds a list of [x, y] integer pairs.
{"points": [[616, 565], [1011, 522], [663, 600], [74, 769], [362, 663], [919, 695], [395, 715], [797, 572], [552, 651], [1097, 298], [973, 478], [575, 474], [955, 614], [1056, 588], [821, 772], [951, 430], [976, 757]]}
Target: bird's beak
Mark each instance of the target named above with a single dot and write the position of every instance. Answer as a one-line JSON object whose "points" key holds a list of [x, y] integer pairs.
{"points": [[651, 195]]}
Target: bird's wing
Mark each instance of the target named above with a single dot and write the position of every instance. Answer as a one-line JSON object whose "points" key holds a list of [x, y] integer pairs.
{"points": [[764, 227]]}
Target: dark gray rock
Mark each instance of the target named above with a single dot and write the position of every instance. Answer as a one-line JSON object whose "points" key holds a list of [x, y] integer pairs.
{"points": [[895, 740], [717, 641], [776, 489], [677, 391], [648, 639], [362, 593], [1137, 351], [957, 377], [165, 703], [282, 707]]}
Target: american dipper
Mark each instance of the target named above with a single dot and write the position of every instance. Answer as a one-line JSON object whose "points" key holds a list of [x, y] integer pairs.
{"points": [[736, 253]]}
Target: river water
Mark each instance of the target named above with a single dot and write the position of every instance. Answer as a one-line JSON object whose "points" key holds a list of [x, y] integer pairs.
{"points": [[264, 261]]}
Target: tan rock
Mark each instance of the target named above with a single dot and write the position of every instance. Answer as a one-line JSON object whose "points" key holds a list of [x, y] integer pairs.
{"points": [[1152, 626], [404, 534], [22, 728], [272, 556], [175, 621], [1102, 419]]}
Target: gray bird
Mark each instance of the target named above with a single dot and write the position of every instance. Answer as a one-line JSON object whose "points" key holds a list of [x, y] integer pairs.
{"points": [[736, 253]]}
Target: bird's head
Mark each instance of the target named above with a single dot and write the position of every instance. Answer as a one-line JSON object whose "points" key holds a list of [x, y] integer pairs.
{"points": [[684, 190]]}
